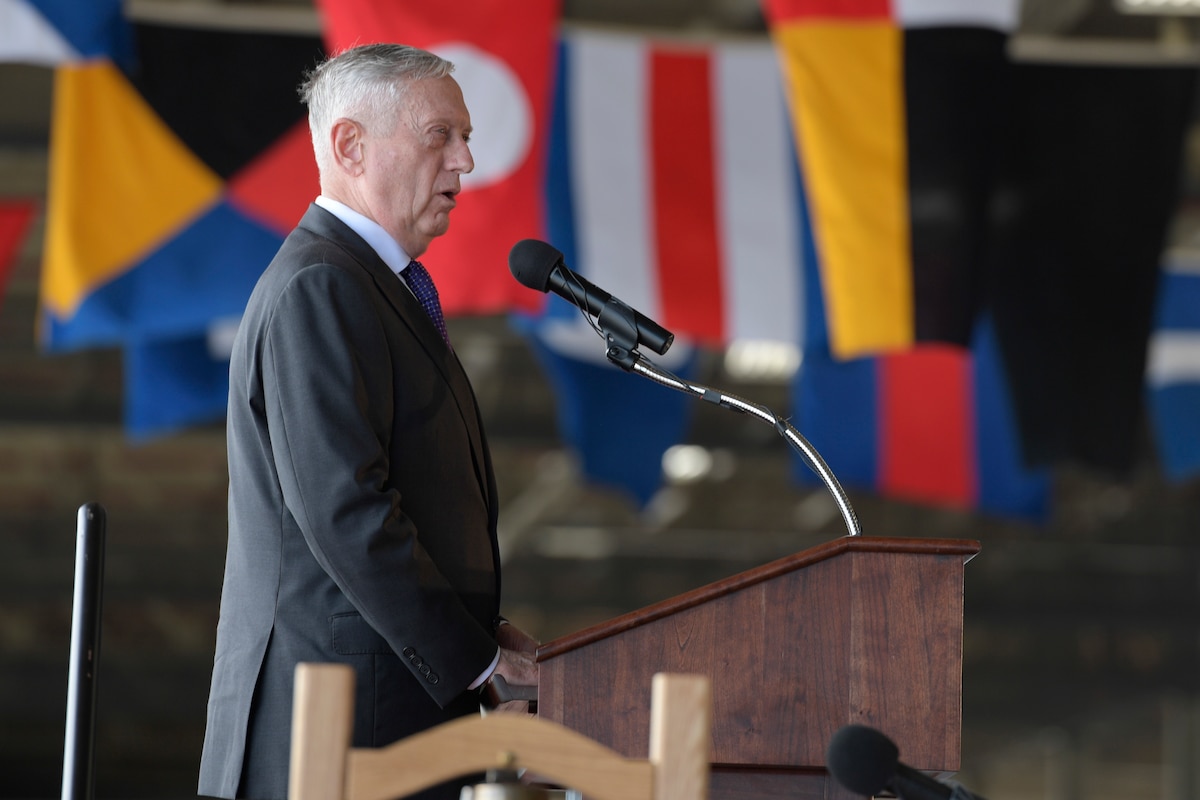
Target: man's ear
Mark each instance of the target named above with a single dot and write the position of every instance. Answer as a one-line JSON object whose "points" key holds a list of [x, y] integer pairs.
{"points": [[347, 139]]}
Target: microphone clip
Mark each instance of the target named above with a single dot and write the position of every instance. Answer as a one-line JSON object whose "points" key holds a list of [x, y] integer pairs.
{"points": [[619, 324]]}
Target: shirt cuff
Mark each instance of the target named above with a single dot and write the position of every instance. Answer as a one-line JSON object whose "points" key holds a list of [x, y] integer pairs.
{"points": [[487, 673]]}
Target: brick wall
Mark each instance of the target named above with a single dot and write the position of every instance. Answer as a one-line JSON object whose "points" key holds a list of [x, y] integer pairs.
{"points": [[163, 559]]}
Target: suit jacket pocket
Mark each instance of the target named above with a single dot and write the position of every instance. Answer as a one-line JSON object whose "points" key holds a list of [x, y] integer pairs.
{"points": [[353, 636]]}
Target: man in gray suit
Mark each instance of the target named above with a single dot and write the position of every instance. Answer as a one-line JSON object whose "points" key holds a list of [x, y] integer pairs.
{"points": [[362, 502]]}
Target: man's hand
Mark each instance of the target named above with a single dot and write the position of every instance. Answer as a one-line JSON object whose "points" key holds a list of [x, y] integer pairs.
{"points": [[510, 637], [516, 666]]}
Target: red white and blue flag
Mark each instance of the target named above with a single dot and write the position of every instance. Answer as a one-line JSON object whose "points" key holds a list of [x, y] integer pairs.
{"points": [[659, 192], [672, 183]]}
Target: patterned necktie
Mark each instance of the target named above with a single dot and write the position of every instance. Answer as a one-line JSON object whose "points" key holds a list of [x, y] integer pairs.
{"points": [[417, 278]]}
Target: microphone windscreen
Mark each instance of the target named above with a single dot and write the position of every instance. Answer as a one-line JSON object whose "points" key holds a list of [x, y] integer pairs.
{"points": [[862, 759], [531, 262]]}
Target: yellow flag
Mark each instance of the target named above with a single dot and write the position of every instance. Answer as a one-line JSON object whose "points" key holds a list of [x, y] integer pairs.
{"points": [[847, 104]]}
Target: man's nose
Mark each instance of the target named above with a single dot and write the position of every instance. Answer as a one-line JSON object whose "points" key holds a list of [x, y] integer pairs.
{"points": [[461, 160]]}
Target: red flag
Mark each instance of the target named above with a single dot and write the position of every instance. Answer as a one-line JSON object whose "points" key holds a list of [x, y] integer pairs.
{"points": [[15, 216], [503, 61], [927, 445], [277, 186]]}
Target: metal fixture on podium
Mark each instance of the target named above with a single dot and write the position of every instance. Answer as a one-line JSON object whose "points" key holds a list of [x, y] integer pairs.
{"points": [[540, 266], [618, 324]]}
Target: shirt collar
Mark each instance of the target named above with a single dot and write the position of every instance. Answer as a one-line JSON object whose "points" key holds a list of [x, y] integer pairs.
{"points": [[371, 231]]}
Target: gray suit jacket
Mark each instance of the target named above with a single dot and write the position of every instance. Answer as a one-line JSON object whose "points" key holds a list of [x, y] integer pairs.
{"points": [[362, 511]]}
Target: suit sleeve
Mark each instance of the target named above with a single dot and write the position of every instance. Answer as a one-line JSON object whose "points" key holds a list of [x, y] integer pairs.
{"points": [[330, 402]]}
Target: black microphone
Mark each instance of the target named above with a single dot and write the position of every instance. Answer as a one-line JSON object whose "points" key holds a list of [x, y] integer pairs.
{"points": [[867, 762], [540, 266]]}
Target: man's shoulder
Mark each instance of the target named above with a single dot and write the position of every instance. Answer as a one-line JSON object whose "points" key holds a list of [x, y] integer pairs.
{"points": [[321, 238], [318, 254], [310, 266]]}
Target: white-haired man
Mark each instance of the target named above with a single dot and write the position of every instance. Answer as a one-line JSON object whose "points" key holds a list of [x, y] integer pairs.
{"points": [[362, 502]]}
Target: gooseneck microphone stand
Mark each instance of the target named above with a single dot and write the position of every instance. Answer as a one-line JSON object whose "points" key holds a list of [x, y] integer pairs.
{"points": [[617, 324]]}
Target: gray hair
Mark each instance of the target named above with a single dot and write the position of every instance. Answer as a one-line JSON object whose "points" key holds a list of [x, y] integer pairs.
{"points": [[364, 84]]}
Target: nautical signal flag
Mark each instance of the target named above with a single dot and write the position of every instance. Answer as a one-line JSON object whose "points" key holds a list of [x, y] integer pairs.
{"points": [[170, 188], [672, 182], [618, 424], [851, 82], [170, 249], [1173, 369], [504, 63], [1090, 175], [932, 425], [15, 217], [53, 32], [697, 231]]}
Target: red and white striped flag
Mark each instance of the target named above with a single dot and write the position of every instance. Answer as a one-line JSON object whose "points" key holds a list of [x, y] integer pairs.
{"points": [[683, 190]]}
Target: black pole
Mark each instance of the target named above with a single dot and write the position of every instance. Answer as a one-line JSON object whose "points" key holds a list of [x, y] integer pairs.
{"points": [[79, 749]]}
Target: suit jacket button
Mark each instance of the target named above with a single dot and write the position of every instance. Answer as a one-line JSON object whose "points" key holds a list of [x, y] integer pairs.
{"points": [[407, 652], [425, 669], [433, 678]]}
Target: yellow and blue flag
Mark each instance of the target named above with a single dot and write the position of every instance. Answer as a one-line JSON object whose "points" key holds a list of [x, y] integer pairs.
{"points": [[179, 159]]}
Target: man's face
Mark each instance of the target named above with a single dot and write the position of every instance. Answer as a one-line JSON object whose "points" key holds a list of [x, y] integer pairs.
{"points": [[412, 175]]}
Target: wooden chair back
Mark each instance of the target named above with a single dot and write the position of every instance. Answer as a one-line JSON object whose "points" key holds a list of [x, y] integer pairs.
{"points": [[324, 766]]}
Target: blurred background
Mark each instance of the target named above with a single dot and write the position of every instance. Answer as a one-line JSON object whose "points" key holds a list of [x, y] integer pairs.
{"points": [[1081, 666]]}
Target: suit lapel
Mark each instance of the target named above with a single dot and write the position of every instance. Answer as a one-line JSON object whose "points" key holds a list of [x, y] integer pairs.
{"points": [[414, 317]]}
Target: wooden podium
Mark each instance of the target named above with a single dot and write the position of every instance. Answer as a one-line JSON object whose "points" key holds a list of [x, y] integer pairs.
{"points": [[859, 629]]}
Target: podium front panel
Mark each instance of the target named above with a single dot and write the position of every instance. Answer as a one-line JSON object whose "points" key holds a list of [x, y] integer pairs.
{"points": [[867, 632]]}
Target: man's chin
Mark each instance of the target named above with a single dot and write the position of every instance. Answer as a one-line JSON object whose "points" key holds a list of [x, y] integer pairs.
{"points": [[438, 227]]}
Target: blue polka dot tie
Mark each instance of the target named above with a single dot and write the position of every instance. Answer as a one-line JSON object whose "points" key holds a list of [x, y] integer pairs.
{"points": [[417, 278]]}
